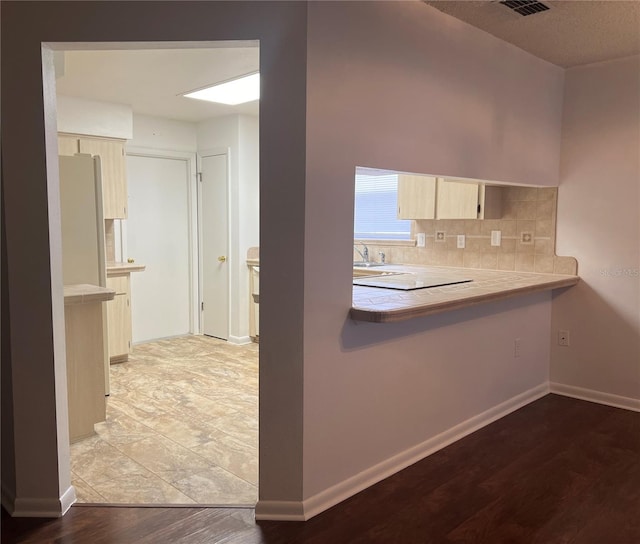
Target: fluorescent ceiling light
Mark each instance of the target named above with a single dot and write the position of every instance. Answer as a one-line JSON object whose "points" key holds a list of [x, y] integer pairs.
{"points": [[236, 91]]}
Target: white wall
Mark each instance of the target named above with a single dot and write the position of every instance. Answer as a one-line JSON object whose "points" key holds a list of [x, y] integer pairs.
{"points": [[396, 85], [403, 86], [238, 134], [220, 132], [160, 133], [30, 190], [94, 117], [248, 209], [598, 223]]}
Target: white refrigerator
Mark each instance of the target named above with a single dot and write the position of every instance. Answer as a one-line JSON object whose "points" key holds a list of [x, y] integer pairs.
{"points": [[83, 247]]}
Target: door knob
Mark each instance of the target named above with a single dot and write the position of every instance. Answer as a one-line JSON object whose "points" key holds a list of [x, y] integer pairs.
{"points": [[222, 258]]}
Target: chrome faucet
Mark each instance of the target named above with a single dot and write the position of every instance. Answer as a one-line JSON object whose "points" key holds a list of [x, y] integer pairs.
{"points": [[364, 254]]}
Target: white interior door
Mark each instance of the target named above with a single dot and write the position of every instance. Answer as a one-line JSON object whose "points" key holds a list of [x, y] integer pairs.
{"points": [[158, 237], [215, 246]]}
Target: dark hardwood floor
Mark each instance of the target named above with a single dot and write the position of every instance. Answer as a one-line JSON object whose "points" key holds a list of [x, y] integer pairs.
{"points": [[556, 471]]}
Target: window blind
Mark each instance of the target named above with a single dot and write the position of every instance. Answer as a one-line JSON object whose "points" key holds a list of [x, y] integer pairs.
{"points": [[376, 208]]}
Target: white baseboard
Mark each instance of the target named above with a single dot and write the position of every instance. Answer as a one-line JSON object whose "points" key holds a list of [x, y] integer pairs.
{"points": [[599, 397], [280, 511], [44, 508], [239, 340], [67, 499], [314, 505], [8, 498]]}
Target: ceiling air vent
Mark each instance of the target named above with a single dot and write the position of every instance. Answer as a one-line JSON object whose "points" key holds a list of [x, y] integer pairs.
{"points": [[525, 7]]}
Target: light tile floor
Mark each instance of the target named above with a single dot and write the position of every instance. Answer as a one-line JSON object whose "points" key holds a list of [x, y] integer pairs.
{"points": [[182, 428]]}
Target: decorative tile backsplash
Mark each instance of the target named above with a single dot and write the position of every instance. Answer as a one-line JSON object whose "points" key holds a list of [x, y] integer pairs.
{"points": [[528, 234]]}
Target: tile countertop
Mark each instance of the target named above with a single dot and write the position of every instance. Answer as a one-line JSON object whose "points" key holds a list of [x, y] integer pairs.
{"points": [[83, 293], [115, 268], [379, 305]]}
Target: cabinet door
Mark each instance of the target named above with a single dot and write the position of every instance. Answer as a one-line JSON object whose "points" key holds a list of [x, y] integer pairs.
{"points": [[68, 145], [416, 197], [114, 182], [119, 319], [457, 200]]}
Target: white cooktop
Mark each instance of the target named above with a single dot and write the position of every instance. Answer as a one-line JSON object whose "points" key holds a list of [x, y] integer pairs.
{"points": [[408, 282]]}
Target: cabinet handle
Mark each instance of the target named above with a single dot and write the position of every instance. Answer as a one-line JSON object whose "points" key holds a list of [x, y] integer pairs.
{"points": [[222, 258]]}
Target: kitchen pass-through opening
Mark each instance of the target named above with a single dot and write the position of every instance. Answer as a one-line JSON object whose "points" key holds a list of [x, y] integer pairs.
{"points": [[179, 349]]}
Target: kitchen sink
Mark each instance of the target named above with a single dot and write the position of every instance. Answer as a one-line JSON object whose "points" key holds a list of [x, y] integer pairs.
{"points": [[366, 264], [359, 272]]}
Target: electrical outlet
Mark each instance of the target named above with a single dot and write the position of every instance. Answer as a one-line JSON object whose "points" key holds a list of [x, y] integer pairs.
{"points": [[516, 348], [496, 237], [420, 239], [460, 241], [440, 236], [563, 338]]}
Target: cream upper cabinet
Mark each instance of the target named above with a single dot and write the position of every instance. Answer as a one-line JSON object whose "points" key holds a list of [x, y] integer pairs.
{"points": [[68, 145], [456, 200], [416, 197], [427, 197], [113, 167]]}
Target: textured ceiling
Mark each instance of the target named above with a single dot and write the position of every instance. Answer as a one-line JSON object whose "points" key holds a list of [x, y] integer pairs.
{"points": [[570, 33], [152, 81]]}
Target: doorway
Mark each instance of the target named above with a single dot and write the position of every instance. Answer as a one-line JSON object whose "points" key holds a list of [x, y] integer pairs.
{"points": [[215, 244], [158, 235], [177, 416], [33, 241]]}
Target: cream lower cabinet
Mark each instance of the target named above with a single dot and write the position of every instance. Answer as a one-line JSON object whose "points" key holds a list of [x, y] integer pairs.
{"points": [[254, 303], [119, 318], [85, 357]]}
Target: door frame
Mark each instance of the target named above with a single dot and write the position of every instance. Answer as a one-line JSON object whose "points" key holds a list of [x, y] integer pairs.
{"points": [[193, 198], [210, 152]]}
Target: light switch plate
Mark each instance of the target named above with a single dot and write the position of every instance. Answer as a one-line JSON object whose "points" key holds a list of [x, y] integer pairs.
{"points": [[460, 242], [496, 237], [420, 239]]}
